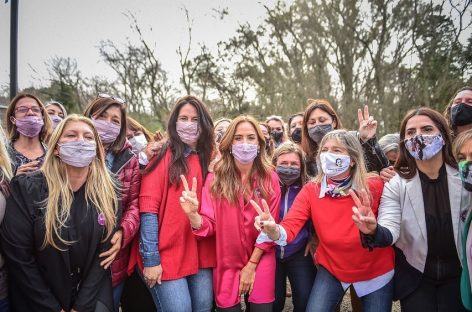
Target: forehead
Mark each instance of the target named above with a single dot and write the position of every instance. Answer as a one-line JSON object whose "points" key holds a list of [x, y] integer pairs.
{"points": [[464, 94], [297, 119], [334, 143], [245, 127], [77, 125], [27, 101], [466, 147], [291, 156], [54, 107], [318, 112], [419, 121], [274, 123], [188, 110]]}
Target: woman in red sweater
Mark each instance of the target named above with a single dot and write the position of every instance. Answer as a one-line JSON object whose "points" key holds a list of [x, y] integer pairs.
{"points": [[328, 203], [174, 264]]}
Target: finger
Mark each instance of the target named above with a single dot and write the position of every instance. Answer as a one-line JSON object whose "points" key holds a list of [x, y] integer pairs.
{"points": [[360, 117], [355, 198], [307, 250], [159, 279], [194, 184], [187, 198], [151, 283], [371, 119], [106, 263], [184, 182], [369, 220], [256, 206], [266, 206], [256, 224], [240, 287], [366, 112], [107, 253], [251, 287], [365, 198]]}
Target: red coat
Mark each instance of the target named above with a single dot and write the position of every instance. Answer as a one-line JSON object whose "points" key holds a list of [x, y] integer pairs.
{"points": [[126, 166]]}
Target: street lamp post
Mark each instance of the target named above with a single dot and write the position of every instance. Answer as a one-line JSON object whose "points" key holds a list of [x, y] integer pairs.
{"points": [[13, 48]]}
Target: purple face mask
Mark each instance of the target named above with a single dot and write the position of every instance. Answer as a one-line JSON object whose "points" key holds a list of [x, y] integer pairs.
{"points": [[107, 131], [56, 120], [29, 126], [78, 154], [188, 131], [244, 153]]}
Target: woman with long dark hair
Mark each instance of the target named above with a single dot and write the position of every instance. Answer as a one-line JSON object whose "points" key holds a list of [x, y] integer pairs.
{"points": [[174, 264], [420, 213]]}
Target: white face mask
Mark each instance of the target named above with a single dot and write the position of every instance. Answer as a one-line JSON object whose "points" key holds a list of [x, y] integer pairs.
{"points": [[334, 164], [138, 142]]}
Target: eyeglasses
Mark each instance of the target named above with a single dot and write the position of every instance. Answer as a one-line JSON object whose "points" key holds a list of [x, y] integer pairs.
{"points": [[24, 110], [107, 96]]}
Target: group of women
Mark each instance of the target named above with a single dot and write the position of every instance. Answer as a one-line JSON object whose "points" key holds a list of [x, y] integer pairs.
{"points": [[100, 214]]}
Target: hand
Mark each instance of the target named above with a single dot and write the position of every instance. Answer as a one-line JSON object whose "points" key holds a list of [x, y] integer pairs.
{"points": [[387, 173], [310, 247], [111, 253], [153, 148], [246, 279], [29, 167], [363, 216], [367, 124], [158, 136], [189, 200], [152, 275], [264, 221]]}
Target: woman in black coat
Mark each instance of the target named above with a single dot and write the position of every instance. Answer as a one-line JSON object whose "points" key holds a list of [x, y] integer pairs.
{"points": [[58, 220]]}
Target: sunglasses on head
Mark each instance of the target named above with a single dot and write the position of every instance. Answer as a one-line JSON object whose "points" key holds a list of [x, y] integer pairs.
{"points": [[107, 96]]}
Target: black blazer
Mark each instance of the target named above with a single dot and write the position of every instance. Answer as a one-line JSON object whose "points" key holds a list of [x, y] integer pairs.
{"points": [[40, 279]]}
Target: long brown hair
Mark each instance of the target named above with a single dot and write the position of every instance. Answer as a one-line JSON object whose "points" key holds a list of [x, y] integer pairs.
{"points": [[406, 164], [308, 145], [227, 182], [13, 133], [205, 141], [100, 105]]}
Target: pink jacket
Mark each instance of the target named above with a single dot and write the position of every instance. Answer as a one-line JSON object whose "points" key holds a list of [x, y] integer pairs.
{"points": [[233, 226]]}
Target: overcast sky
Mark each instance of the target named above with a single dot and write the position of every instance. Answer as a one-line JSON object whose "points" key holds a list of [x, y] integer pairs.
{"points": [[73, 28]]}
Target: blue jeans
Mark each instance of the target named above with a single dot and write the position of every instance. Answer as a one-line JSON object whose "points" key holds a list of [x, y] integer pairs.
{"points": [[301, 272], [327, 292], [190, 293], [117, 292], [4, 305]]}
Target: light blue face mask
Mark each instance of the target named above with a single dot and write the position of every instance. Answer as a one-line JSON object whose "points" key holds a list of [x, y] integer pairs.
{"points": [[424, 147]]}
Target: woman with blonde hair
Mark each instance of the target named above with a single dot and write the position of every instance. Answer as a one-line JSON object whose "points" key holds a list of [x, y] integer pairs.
{"points": [[28, 128], [5, 177], [57, 222], [341, 259], [243, 174]]}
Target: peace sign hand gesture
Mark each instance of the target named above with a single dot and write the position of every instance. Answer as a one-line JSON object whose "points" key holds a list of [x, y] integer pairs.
{"points": [[189, 200], [363, 216], [264, 221], [367, 124]]}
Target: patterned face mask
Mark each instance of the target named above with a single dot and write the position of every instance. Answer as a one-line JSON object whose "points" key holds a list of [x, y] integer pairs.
{"points": [[424, 147], [465, 171]]}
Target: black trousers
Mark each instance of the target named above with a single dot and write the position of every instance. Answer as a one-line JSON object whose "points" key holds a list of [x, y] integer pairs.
{"points": [[431, 295]]}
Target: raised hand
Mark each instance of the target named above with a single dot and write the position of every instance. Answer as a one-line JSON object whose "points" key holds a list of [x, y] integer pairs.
{"points": [[264, 221], [367, 124], [363, 216], [189, 200]]}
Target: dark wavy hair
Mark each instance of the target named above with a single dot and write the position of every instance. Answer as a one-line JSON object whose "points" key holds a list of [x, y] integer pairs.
{"points": [[406, 164], [205, 143]]}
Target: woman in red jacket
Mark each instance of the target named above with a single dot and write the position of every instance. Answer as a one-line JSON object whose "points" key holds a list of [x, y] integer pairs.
{"points": [[174, 264], [328, 202], [109, 116]]}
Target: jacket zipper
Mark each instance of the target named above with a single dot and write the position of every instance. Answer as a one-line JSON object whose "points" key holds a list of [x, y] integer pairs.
{"points": [[285, 213]]}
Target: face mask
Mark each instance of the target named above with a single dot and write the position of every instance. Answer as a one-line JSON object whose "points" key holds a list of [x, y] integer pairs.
{"points": [[108, 131], [297, 135], [138, 142], [29, 126], [317, 132], [461, 114], [288, 174], [244, 153], [423, 146], [56, 120], [334, 164], [277, 135], [188, 131], [78, 154], [465, 170]]}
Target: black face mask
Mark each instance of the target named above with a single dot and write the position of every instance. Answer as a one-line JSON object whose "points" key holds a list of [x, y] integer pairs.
{"points": [[461, 115], [297, 135], [277, 135], [465, 171], [288, 174], [317, 132]]}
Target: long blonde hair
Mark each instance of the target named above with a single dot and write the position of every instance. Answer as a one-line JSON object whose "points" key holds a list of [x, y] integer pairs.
{"points": [[100, 188], [227, 182], [354, 150]]}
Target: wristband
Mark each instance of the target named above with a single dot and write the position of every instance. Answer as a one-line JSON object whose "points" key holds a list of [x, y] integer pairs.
{"points": [[253, 262]]}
